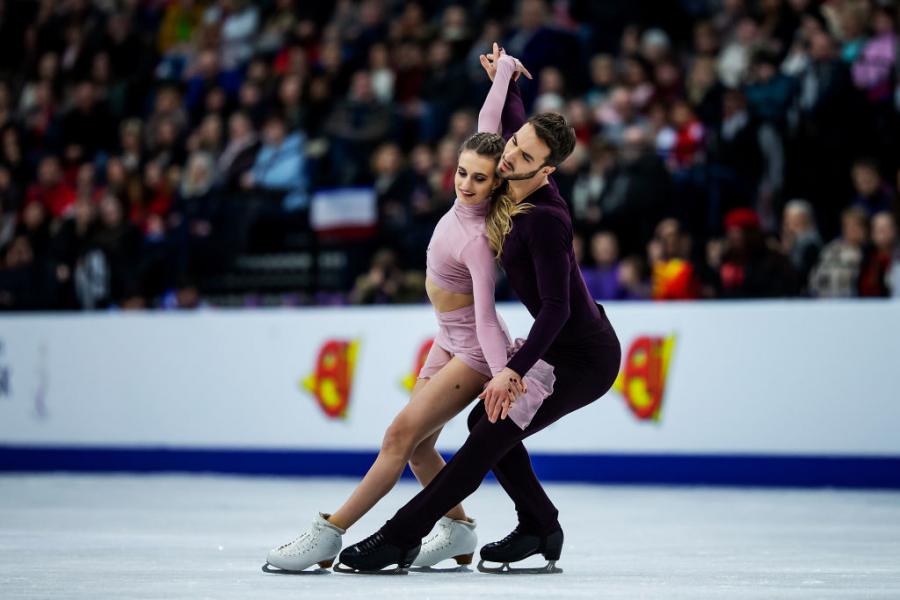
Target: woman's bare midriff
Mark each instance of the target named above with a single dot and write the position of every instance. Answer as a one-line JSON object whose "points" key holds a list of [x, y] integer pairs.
{"points": [[445, 301]]}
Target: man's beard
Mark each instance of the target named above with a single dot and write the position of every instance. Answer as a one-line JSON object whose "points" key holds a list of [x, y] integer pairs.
{"points": [[518, 176]]}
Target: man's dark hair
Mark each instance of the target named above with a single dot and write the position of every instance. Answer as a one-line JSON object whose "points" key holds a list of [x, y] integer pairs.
{"points": [[553, 130]]}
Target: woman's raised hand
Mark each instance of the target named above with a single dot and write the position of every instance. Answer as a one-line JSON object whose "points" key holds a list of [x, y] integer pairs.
{"points": [[490, 62]]}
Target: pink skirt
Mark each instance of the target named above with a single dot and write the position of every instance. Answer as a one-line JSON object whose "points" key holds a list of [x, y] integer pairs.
{"points": [[457, 337]]}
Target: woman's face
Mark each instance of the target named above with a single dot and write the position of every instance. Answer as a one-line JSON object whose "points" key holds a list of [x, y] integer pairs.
{"points": [[475, 177], [884, 232], [110, 211]]}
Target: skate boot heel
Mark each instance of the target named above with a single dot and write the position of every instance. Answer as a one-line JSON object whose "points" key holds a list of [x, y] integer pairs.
{"points": [[463, 559], [326, 564], [553, 546]]}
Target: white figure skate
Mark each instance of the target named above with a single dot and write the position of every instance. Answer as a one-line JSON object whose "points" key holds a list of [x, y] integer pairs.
{"points": [[449, 539], [319, 544]]}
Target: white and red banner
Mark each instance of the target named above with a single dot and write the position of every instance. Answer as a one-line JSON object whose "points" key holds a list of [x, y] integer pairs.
{"points": [[796, 378]]}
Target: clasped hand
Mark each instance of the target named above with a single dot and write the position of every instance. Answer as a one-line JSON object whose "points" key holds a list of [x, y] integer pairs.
{"points": [[500, 393], [490, 62]]}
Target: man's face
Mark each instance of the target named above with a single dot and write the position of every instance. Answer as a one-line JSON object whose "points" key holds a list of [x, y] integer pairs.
{"points": [[866, 180], [49, 172], [274, 133], [524, 156]]}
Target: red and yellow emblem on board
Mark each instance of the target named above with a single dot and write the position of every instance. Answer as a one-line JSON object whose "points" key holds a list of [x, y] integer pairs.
{"points": [[642, 380], [331, 383], [409, 380]]}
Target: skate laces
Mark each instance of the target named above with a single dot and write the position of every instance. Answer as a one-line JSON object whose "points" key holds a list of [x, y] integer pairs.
{"points": [[303, 541], [370, 543], [440, 539], [515, 532], [295, 542]]}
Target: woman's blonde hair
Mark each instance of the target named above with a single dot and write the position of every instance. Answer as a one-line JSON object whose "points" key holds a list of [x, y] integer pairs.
{"points": [[498, 222]]}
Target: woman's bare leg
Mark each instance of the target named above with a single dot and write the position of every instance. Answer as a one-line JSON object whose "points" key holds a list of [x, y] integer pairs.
{"points": [[437, 401], [426, 463]]}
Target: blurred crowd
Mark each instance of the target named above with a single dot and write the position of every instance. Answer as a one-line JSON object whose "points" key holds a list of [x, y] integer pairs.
{"points": [[726, 148]]}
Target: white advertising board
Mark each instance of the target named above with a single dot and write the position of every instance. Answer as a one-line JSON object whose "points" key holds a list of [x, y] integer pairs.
{"points": [[787, 378]]}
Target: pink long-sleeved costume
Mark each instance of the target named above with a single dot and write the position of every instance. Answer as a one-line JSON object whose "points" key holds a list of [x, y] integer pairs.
{"points": [[461, 260]]}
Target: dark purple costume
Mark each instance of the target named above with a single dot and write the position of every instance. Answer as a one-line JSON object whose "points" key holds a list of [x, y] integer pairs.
{"points": [[570, 331]]}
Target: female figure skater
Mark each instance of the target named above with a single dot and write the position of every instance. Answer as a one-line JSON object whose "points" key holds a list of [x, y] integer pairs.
{"points": [[472, 345]]}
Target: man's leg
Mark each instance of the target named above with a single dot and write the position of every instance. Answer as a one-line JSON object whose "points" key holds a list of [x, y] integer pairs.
{"points": [[514, 472], [486, 445], [463, 474]]}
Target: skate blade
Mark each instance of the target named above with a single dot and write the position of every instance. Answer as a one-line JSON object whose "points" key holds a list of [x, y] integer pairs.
{"points": [[351, 571], [267, 568], [456, 569], [504, 569]]}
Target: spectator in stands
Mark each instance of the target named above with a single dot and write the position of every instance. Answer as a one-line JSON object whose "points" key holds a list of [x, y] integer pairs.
{"points": [[873, 68], [71, 243], [672, 275], [750, 152], [202, 77], [10, 201], [167, 108], [279, 167], [837, 273], [617, 115], [36, 224], [603, 78], [800, 239], [13, 157], [734, 60], [196, 220], [51, 191], [277, 27], [441, 90], [234, 23], [636, 193], [86, 127], [880, 257], [120, 243], [750, 267], [602, 278], [356, 125], [825, 97], [386, 283], [589, 185], [872, 194], [239, 154], [633, 278], [769, 92], [393, 188], [131, 148], [180, 22], [23, 280]]}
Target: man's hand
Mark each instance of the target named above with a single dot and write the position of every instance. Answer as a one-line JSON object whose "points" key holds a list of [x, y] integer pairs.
{"points": [[500, 392]]}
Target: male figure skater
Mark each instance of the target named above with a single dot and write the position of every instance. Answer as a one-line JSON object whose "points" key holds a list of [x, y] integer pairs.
{"points": [[570, 332]]}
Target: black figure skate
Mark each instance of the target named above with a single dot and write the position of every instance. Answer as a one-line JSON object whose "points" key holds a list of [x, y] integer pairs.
{"points": [[373, 554], [519, 546]]}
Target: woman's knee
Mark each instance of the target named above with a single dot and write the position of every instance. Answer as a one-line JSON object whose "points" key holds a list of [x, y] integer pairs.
{"points": [[422, 455], [399, 439]]}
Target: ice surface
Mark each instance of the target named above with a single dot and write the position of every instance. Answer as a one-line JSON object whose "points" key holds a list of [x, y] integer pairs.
{"points": [[72, 536]]}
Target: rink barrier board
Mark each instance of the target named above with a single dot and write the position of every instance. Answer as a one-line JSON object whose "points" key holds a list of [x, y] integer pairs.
{"points": [[645, 469], [745, 393]]}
